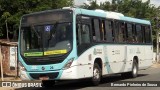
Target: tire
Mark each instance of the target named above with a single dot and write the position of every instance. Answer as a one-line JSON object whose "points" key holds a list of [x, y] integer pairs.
{"points": [[134, 72], [96, 75], [48, 83]]}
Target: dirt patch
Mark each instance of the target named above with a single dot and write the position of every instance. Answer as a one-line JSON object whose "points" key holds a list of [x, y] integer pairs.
{"points": [[6, 88], [156, 65], [10, 79]]}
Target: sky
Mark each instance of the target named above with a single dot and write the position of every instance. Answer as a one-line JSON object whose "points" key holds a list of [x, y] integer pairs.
{"points": [[80, 2]]}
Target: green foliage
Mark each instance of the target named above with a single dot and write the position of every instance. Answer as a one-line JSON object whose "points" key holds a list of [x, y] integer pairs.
{"points": [[12, 10]]}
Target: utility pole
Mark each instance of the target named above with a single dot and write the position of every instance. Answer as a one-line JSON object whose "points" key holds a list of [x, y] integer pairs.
{"points": [[157, 35], [1, 61], [157, 45], [7, 29]]}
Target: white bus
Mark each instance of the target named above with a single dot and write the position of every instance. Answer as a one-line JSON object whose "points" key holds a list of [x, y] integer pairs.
{"points": [[75, 43]]}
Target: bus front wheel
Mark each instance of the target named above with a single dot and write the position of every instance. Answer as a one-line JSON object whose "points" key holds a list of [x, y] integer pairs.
{"points": [[96, 74]]}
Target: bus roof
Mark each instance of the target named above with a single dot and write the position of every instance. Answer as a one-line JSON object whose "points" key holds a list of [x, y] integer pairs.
{"points": [[110, 15], [99, 13]]}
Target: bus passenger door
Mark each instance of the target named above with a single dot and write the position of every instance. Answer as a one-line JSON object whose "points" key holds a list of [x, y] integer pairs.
{"points": [[83, 33]]}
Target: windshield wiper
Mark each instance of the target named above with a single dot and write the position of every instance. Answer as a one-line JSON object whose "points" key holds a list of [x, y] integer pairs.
{"points": [[35, 32]]}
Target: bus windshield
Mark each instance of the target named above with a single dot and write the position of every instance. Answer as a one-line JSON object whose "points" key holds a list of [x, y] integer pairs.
{"points": [[46, 38]]}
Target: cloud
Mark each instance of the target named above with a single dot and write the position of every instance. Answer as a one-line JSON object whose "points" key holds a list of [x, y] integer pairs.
{"points": [[79, 2], [155, 2], [145, 0]]}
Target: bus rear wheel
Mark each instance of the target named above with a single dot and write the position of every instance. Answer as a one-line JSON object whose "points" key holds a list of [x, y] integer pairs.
{"points": [[134, 72], [96, 75], [48, 83]]}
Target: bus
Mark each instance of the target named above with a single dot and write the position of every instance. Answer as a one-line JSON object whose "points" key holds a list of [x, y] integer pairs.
{"points": [[76, 43]]}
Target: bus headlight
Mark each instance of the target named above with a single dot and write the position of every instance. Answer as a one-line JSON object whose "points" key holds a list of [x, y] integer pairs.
{"points": [[21, 67], [68, 64]]}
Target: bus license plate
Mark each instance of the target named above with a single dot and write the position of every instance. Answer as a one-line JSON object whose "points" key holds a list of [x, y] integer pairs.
{"points": [[44, 78]]}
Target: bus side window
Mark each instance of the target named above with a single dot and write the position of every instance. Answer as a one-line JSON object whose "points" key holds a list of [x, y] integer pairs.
{"points": [[134, 33], [96, 30], [143, 34], [147, 34], [102, 30], [116, 33], [109, 31], [139, 34], [129, 33], [121, 32]]}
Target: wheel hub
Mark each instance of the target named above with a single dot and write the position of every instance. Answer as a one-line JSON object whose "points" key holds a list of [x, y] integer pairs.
{"points": [[96, 74], [134, 70]]}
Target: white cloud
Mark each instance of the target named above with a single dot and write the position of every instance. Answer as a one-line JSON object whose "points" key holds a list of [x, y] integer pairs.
{"points": [[79, 2], [145, 0], [155, 2]]}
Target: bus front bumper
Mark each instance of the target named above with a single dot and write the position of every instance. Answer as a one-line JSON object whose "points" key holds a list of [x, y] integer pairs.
{"points": [[70, 73]]}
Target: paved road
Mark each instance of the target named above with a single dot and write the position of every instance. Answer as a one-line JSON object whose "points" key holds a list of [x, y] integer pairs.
{"points": [[151, 74]]}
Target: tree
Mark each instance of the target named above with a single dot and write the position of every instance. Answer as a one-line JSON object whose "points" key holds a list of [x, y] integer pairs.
{"points": [[5, 16], [93, 5]]}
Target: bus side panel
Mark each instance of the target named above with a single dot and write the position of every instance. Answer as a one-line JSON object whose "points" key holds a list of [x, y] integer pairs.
{"points": [[87, 60], [130, 53], [116, 57], [147, 62], [133, 51], [144, 54]]}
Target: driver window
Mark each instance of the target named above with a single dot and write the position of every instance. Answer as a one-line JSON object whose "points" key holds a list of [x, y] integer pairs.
{"points": [[85, 34]]}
